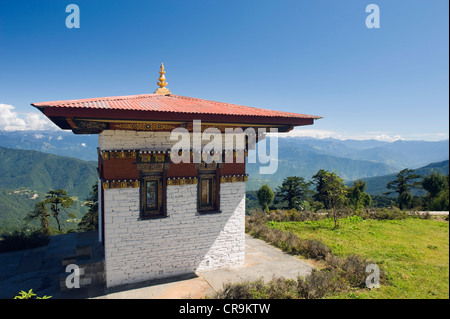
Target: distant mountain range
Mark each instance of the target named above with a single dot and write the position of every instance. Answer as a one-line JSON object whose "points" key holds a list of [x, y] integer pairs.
{"points": [[63, 143], [351, 159], [297, 156]]}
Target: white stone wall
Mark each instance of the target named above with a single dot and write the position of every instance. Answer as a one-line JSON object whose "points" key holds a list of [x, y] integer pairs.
{"points": [[155, 141], [116, 139], [183, 242]]}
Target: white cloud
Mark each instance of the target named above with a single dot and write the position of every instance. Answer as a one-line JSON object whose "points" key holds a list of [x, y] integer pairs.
{"points": [[83, 144], [321, 134], [13, 121], [385, 137], [372, 135], [8, 119], [310, 133]]}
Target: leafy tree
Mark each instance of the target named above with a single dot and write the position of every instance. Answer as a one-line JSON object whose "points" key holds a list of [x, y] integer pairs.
{"points": [[294, 190], [89, 221], [58, 199], [40, 212], [402, 185], [357, 195], [333, 192], [437, 186], [265, 197], [441, 202]]}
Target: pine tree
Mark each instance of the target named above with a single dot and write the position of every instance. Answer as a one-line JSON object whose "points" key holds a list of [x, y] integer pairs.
{"points": [[294, 191], [357, 195], [89, 221], [402, 185], [58, 199]]}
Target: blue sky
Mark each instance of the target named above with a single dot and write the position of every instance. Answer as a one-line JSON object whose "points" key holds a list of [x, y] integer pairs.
{"points": [[306, 56]]}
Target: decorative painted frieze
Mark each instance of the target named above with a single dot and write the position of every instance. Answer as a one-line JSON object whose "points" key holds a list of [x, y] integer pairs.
{"points": [[182, 181], [123, 154], [233, 178], [143, 126], [120, 184], [164, 156]]}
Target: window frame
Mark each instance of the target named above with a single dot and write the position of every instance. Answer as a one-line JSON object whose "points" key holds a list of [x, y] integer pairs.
{"points": [[160, 212], [213, 176]]}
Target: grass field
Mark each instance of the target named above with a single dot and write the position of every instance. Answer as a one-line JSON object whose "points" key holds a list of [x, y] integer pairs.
{"points": [[414, 252]]}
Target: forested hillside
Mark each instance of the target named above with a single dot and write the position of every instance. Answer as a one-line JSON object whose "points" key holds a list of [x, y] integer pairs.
{"points": [[377, 185], [25, 177]]}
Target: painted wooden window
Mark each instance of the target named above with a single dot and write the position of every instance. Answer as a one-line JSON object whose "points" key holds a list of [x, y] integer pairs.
{"points": [[208, 192], [152, 197]]}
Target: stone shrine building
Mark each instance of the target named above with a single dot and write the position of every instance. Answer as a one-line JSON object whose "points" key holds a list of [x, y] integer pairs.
{"points": [[160, 216]]}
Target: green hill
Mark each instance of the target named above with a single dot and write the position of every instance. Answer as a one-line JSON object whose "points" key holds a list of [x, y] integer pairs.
{"points": [[26, 176], [377, 185]]}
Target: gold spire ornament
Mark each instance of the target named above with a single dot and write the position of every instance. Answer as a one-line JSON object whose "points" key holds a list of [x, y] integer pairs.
{"points": [[162, 83]]}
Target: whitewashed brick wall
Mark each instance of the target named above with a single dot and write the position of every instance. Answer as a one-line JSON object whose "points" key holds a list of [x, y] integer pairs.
{"points": [[158, 141], [185, 241], [118, 139], [138, 250]]}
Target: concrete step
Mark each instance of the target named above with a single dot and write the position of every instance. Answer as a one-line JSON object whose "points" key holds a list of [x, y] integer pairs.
{"points": [[89, 257], [90, 274], [83, 252]]}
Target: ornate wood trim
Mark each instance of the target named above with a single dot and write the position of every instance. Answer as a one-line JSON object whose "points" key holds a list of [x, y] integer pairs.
{"points": [[120, 184], [143, 126], [164, 156], [87, 127], [182, 181], [233, 178], [106, 155]]}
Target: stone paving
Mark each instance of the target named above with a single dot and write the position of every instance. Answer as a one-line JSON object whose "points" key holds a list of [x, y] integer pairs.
{"points": [[261, 260], [41, 268], [38, 268]]}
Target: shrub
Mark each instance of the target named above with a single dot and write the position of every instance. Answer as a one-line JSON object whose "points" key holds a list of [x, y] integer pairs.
{"points": [[22, 239], [287, 241], [242, 290], [319, 284], [383, 213], [278, 288], [354, 271], [292, 215], [316, 249], [316, 285], [29, 295]]}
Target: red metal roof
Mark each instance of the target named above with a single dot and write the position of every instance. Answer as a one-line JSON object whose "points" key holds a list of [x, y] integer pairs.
{"points": [[169, 103]]}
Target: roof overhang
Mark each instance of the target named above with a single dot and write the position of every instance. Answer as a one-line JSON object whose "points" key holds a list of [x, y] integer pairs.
{"points": [[150, 112]]}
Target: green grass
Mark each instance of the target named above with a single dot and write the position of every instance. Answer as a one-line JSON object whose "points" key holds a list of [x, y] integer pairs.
{"points": [[414, 252]]}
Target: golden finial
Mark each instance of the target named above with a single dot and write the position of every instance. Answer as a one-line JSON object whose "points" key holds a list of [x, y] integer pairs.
{"points": [[162, 82]]}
